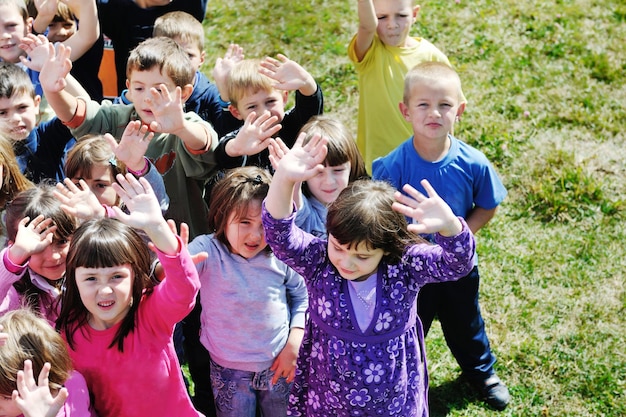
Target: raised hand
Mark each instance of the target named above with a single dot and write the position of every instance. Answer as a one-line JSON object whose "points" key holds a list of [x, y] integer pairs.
{"points": [[137, 195], [36, 46], [34, 398], [167, 109], [56, 67], [223, 66], [253, 136], [277, 152], [302, 161], [132, 146], [32, 237], [78, 200], [288, 74], [432, 213]]}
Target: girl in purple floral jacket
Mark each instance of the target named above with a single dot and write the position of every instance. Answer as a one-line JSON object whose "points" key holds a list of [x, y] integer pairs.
{"points": [[363, 353]]}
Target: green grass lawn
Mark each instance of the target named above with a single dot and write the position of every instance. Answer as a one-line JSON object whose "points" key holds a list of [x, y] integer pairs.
{"points": [[546, 91]]}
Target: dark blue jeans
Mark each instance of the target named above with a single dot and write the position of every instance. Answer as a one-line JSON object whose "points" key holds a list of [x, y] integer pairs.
{"points": [[455, 304]]}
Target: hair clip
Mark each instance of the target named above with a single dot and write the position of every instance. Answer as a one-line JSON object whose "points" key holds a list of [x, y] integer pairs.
{"points": [[256, 180], [113, 161]]}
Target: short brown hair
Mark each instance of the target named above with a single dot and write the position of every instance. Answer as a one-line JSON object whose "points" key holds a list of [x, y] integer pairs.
{"points": [[233, 193], [180, 25], [14, 81], [362, 213], [166, 55], [31, 337]]}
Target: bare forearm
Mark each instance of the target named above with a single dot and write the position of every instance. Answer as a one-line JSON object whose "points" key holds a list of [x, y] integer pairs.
{"points": [[280, 196], [479, 217], [196, 136], [63, 103]]}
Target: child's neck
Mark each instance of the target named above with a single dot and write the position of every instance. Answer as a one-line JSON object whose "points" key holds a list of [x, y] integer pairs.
{"points": [[432, 150]]}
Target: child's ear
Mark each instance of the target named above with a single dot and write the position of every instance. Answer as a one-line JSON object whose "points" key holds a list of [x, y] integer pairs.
{"points": [[460, 111], [186, 92], [285, 96], [233, 110], [202, 56], [37, 102], [416, 10], [404, 110]]}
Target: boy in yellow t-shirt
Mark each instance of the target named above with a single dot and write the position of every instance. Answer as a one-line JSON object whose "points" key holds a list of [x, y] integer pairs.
{"points": [[383, 52]]}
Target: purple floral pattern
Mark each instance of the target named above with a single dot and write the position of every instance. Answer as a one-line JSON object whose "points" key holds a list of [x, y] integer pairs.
{"points": [[343, 371]]}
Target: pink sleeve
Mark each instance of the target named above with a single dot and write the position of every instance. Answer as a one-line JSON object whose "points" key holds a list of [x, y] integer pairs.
{"points": [[78, 403]]}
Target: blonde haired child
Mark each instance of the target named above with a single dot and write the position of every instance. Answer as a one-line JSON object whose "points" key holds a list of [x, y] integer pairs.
{"points": [[258, 91], [28, 342], [383, 51]]}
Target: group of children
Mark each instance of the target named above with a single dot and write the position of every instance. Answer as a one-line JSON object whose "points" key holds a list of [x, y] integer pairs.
{"points": [[302, 285]]}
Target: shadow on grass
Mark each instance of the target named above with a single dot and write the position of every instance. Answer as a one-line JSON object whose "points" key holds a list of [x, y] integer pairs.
{"points": [[449, 396]]}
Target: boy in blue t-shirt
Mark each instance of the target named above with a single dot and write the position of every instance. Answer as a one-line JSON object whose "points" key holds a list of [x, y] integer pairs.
{"points": [[465, 179]]}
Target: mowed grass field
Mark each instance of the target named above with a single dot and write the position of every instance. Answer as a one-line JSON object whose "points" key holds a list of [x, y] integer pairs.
{"points": [[545, 82]]}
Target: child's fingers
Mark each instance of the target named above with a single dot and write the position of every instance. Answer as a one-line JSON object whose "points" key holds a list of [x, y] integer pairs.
{"points": [[429, 188], [43, 381], [111, 141], [410, 190]]}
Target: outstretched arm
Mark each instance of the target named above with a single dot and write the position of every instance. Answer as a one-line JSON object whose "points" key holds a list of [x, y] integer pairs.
{"points": [[145, 212], [169, 116], [301, 162], [88, 27], [432, 213], [368, 23]]}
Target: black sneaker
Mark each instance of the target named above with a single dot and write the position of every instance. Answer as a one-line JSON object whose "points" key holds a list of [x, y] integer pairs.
{"points": [[494, 392]]}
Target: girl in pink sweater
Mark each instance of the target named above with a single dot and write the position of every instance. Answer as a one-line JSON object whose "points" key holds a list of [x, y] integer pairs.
{"points": [[118, 325]]}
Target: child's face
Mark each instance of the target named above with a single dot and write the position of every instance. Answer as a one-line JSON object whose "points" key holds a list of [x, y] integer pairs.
{"points": [[12, 30], [395, 19], [433, 108], [18, 115], [326, 185], [260, 102], [99, 183], [50, 263], [8, 407], [60, 31], [245, 235], [106, 293], [139, 86], [355, 263], [196, 56]]}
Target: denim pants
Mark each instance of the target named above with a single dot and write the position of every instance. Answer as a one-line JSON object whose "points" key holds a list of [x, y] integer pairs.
{"points": [[456, 305], [240, 393]]}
